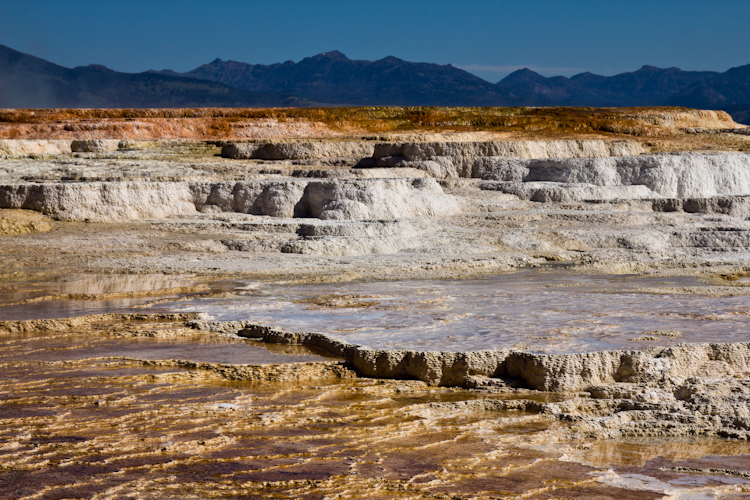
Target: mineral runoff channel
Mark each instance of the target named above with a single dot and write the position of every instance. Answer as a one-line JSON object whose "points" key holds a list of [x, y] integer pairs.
{"points": [[424, 315]]}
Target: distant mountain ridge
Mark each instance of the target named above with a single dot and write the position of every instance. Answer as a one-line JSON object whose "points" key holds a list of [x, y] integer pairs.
{"points": [[30, 82], [648, 86], [723, 90], [331, 78]]}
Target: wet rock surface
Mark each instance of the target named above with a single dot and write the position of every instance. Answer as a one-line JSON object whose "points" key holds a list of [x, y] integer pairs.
{"points": [[114, 427], [685, 390]]}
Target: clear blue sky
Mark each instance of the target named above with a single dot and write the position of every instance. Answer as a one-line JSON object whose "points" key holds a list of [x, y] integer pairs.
{"points": [[488, 38]]}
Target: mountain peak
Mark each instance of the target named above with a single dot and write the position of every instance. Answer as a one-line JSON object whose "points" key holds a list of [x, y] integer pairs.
{"points": [[523, 75], [99, 67]]}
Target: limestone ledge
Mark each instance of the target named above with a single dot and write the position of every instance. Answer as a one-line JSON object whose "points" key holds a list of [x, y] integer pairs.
{"points": [[545, 372], [649, 177], [674, 175], [541, 170], [56, 325], [442, 159], [464, 159], [298, 150], [330, 200]]}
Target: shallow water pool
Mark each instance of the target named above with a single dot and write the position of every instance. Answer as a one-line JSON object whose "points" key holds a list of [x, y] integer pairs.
{"points": [[535, 310]]}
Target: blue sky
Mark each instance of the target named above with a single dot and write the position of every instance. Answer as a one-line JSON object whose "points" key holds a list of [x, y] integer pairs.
{"points": [[488, 38]]}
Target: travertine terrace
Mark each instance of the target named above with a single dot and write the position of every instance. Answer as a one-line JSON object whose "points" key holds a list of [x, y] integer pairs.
{"points": [[159, 207]]}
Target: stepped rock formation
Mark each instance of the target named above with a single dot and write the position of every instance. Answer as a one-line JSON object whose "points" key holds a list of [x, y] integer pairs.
{"points": [[555, 372], [451, 160], [416, 151], [647, 176], [542, 170], [341, 200], [256, 212], [673, 176], [345, 303]]}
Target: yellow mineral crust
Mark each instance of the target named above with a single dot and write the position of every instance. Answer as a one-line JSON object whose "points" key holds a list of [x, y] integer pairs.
{"points": [[15, 222]]}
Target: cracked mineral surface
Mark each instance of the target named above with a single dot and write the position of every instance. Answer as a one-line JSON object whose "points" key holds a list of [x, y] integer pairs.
{"points": [[305, 309]]}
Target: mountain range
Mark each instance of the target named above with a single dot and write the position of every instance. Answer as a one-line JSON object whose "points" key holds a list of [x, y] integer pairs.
{"points": [[30, 82], [332, 79]]}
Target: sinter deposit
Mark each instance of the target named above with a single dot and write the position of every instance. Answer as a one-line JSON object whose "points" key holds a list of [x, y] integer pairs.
{"points": [[267, 275]]}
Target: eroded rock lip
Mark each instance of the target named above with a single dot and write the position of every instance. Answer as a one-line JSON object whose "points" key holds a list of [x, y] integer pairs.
{"points": [[660, 392], [546, 372], [674, 391], [596, 372]]}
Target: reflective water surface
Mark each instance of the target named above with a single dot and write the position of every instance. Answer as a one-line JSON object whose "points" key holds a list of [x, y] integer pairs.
{"points": [[541, 311], [549, 311], [69, 296]]}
